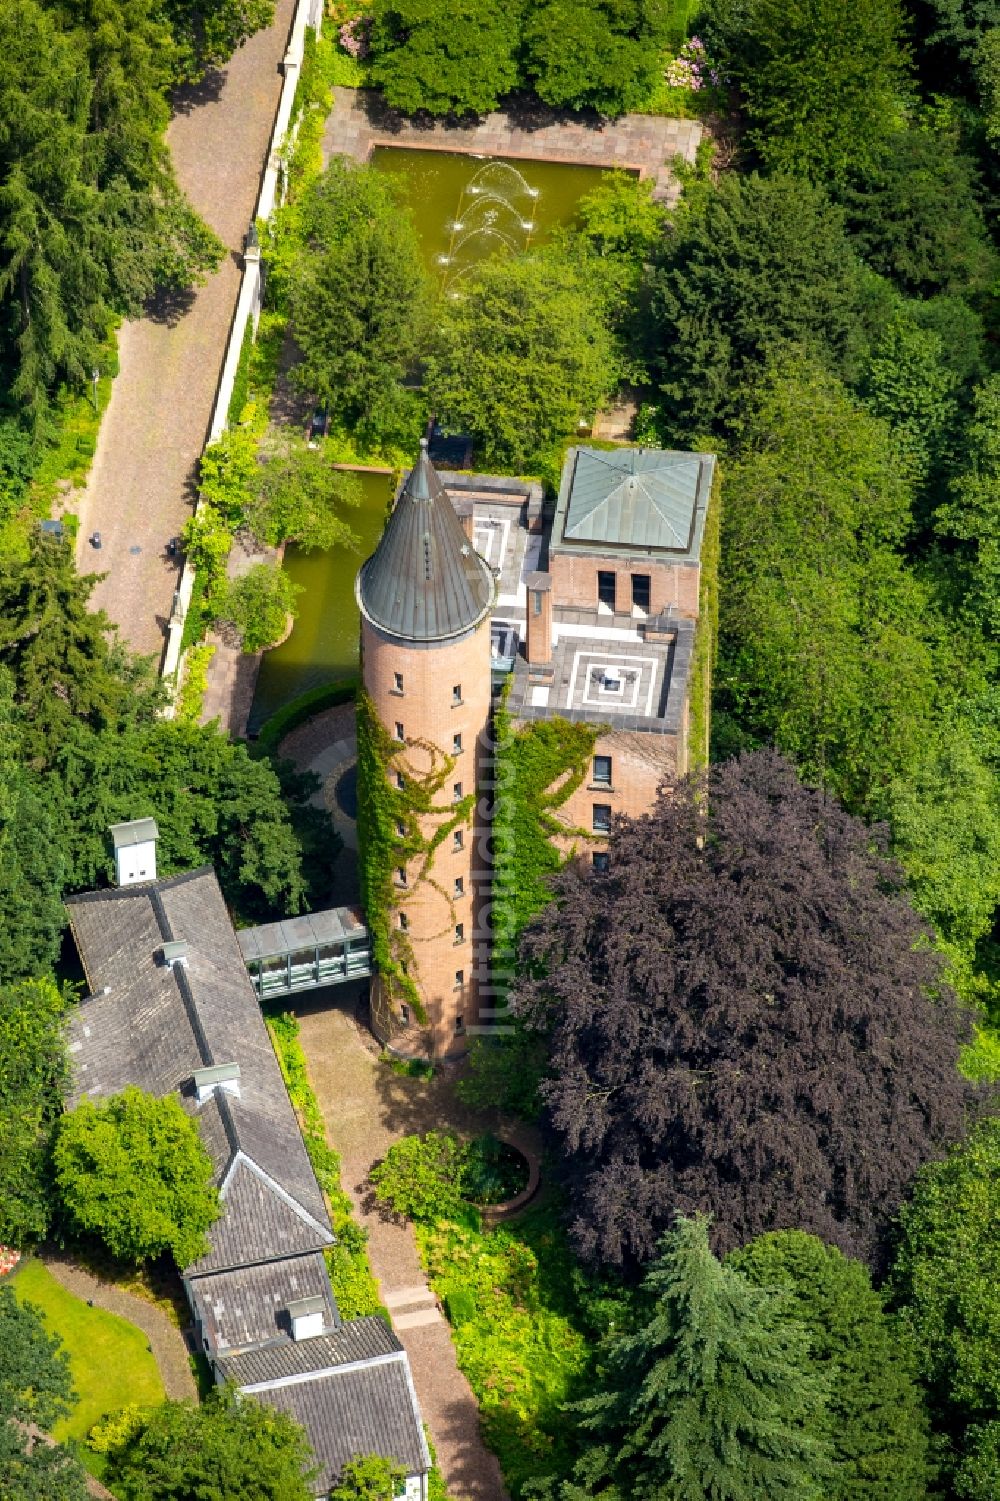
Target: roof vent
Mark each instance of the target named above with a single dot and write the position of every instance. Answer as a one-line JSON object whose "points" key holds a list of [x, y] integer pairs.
{"points": [[175, 952], [306, 1315], [135, 851], [225, 1076]]}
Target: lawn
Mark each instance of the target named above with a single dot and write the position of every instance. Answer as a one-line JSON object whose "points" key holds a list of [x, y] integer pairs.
{"points": [[109, 1358]]}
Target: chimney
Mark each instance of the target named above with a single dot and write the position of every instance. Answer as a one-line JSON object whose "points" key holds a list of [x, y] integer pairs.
{"points": [[538, 648], [306, 1316], [224, 1076], [466, 513], [135, 851]]}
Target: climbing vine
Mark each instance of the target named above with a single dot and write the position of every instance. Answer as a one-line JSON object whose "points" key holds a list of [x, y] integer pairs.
{"points": [[538, 768], [391, 833], [706, 633]]}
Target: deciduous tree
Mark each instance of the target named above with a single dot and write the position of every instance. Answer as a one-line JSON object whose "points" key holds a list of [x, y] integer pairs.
{"points": [[33, 1079], [603, 55], [449, 59], [35, 1389], [299, 497], [744, 1016], [132, 1171]]}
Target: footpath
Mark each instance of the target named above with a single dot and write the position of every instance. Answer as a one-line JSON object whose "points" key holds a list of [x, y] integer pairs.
{"points": [[141, 486]]}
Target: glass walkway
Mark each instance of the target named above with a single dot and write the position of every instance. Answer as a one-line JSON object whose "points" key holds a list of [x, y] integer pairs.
{"points": [[303, 953]]}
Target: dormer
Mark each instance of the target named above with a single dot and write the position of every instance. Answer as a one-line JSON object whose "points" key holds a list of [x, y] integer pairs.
{"points": [[223, 1076], [306, 1316]]}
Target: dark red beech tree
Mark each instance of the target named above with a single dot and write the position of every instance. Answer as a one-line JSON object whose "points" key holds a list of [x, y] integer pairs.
{"points": [[745, 1019]]}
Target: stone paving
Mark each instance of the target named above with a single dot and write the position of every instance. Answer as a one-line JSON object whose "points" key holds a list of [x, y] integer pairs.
{"points": [[366, 1107], [646, 144], [232, 673], [141, 485], [165, 1339]]}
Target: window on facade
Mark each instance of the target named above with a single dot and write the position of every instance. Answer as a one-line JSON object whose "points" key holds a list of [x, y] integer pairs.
{"points": [[400, 828], [602, 861], [602, 818], [400, 780], [404, 921], [459, 932], [399, 730], [458, 842], [602, 771], [397, 681], [640, 591], [404, 1015], [459, 978], [401, 874], [606, 588], [460, 1024], [456, 743], [458, 792], [459, 886], [456, 694], [536, 601]]}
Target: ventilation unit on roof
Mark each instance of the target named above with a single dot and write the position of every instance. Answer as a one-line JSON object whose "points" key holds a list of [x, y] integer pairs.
{"points": [[224, 1076], [135, 851], [175, 952], [307, 1317]]}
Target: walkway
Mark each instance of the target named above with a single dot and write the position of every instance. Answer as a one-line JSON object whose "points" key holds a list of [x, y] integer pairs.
{"points": [[366, 1107], [141, 486], [165, 1339], [326, 745], [646, 144]]}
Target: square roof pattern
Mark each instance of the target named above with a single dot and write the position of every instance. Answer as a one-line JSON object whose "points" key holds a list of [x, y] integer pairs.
{"points": [[631, 500]]}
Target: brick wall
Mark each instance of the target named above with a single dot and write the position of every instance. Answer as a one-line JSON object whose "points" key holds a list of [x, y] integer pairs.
{"points": [[430, 720], [574, 583], [640, 765]]}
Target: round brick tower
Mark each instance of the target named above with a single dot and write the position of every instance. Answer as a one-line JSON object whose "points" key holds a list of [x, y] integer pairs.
{"points": [[425, 597]]}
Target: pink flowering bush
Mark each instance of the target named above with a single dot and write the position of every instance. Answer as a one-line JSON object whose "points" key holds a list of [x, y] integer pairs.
{"points": [[353, 36], [691, 68], [8, 1259]]}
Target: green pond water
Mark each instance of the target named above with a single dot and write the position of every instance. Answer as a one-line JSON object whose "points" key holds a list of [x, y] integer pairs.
{"points": [[508, 196]]}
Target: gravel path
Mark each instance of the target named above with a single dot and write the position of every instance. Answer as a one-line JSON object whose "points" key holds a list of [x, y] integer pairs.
{"points": [[165, 1341], [366, 1107], [141, 485]]}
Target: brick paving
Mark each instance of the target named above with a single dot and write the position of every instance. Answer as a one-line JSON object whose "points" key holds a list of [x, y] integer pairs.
{"points": [[165, 1340], [366, 1107], [644, 143], [140, 488]]}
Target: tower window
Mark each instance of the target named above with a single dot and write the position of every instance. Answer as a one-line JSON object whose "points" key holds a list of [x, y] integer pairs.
{"points": [[458, 841], [404, 1015], [397, 682], [459, 886], [456, 694], [640, 591], [459, 978], [401, 874], [459, 932], [602, 771], [602, 862], [399, 730], [400, 780], [456, 743], [458, 792], [460, 1024], [602, 818], [404, 922], [606, 588], [536, 601], [400, 828]]}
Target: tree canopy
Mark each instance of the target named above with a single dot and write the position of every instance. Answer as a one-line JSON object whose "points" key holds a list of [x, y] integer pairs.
{"points": [[34, 1075], [603, 55], [228, 1449], [743, 1017], [875, 1421], [35, 1388], [712, 1395], [453, 58], [132, 1171]]}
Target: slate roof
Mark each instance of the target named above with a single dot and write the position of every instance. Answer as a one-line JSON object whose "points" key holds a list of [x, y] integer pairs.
{"points": [[362, 1339], [248, 1305], [637, 499], [352, 1410], [158, 1025], [424, 581]]}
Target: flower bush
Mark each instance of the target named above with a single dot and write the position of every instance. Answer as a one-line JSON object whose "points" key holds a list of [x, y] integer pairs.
{"points": [[8, 1259], [353, 36], [691, 68]]}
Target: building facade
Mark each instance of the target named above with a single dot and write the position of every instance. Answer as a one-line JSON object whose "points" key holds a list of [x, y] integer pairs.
{"points": [[474, 594]]}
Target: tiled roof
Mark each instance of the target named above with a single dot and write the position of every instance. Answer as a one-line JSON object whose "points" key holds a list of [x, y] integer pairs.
{"points": [[361, 1339], [158, 1025], [424, 582], [248, 1305], [354, 1410]]}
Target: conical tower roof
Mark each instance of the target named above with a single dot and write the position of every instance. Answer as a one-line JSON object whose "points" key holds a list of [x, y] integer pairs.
{"points": [[424, 581]]}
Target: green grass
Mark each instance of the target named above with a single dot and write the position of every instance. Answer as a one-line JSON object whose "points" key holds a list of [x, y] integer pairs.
{"points": [[109, 1358]]}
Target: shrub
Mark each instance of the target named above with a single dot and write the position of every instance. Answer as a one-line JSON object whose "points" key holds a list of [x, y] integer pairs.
{"points": [[421, 1177], [258, 605]]}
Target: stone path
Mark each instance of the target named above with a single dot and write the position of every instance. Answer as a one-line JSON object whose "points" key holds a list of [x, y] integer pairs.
{"points": [[165, 1339], [141, 485], [646, 144], [366, 1107], [232, 673]]}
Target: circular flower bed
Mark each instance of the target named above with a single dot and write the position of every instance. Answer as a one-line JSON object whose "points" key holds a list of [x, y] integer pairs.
{"points": [[493, 1172]]}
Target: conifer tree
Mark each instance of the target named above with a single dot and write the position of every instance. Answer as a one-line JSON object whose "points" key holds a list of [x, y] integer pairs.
{"points": [[713, 1398]]}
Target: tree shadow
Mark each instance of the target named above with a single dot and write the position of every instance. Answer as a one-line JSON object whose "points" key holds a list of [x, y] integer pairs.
{"points": [[473, 1471], [170, 304], [208, 90]]}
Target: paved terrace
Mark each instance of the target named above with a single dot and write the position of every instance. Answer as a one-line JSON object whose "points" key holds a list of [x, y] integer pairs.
{"points": [[646, 144]]}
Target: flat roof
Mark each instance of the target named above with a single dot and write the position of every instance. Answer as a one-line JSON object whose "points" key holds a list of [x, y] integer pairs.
{"points": [[336, 925]]}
